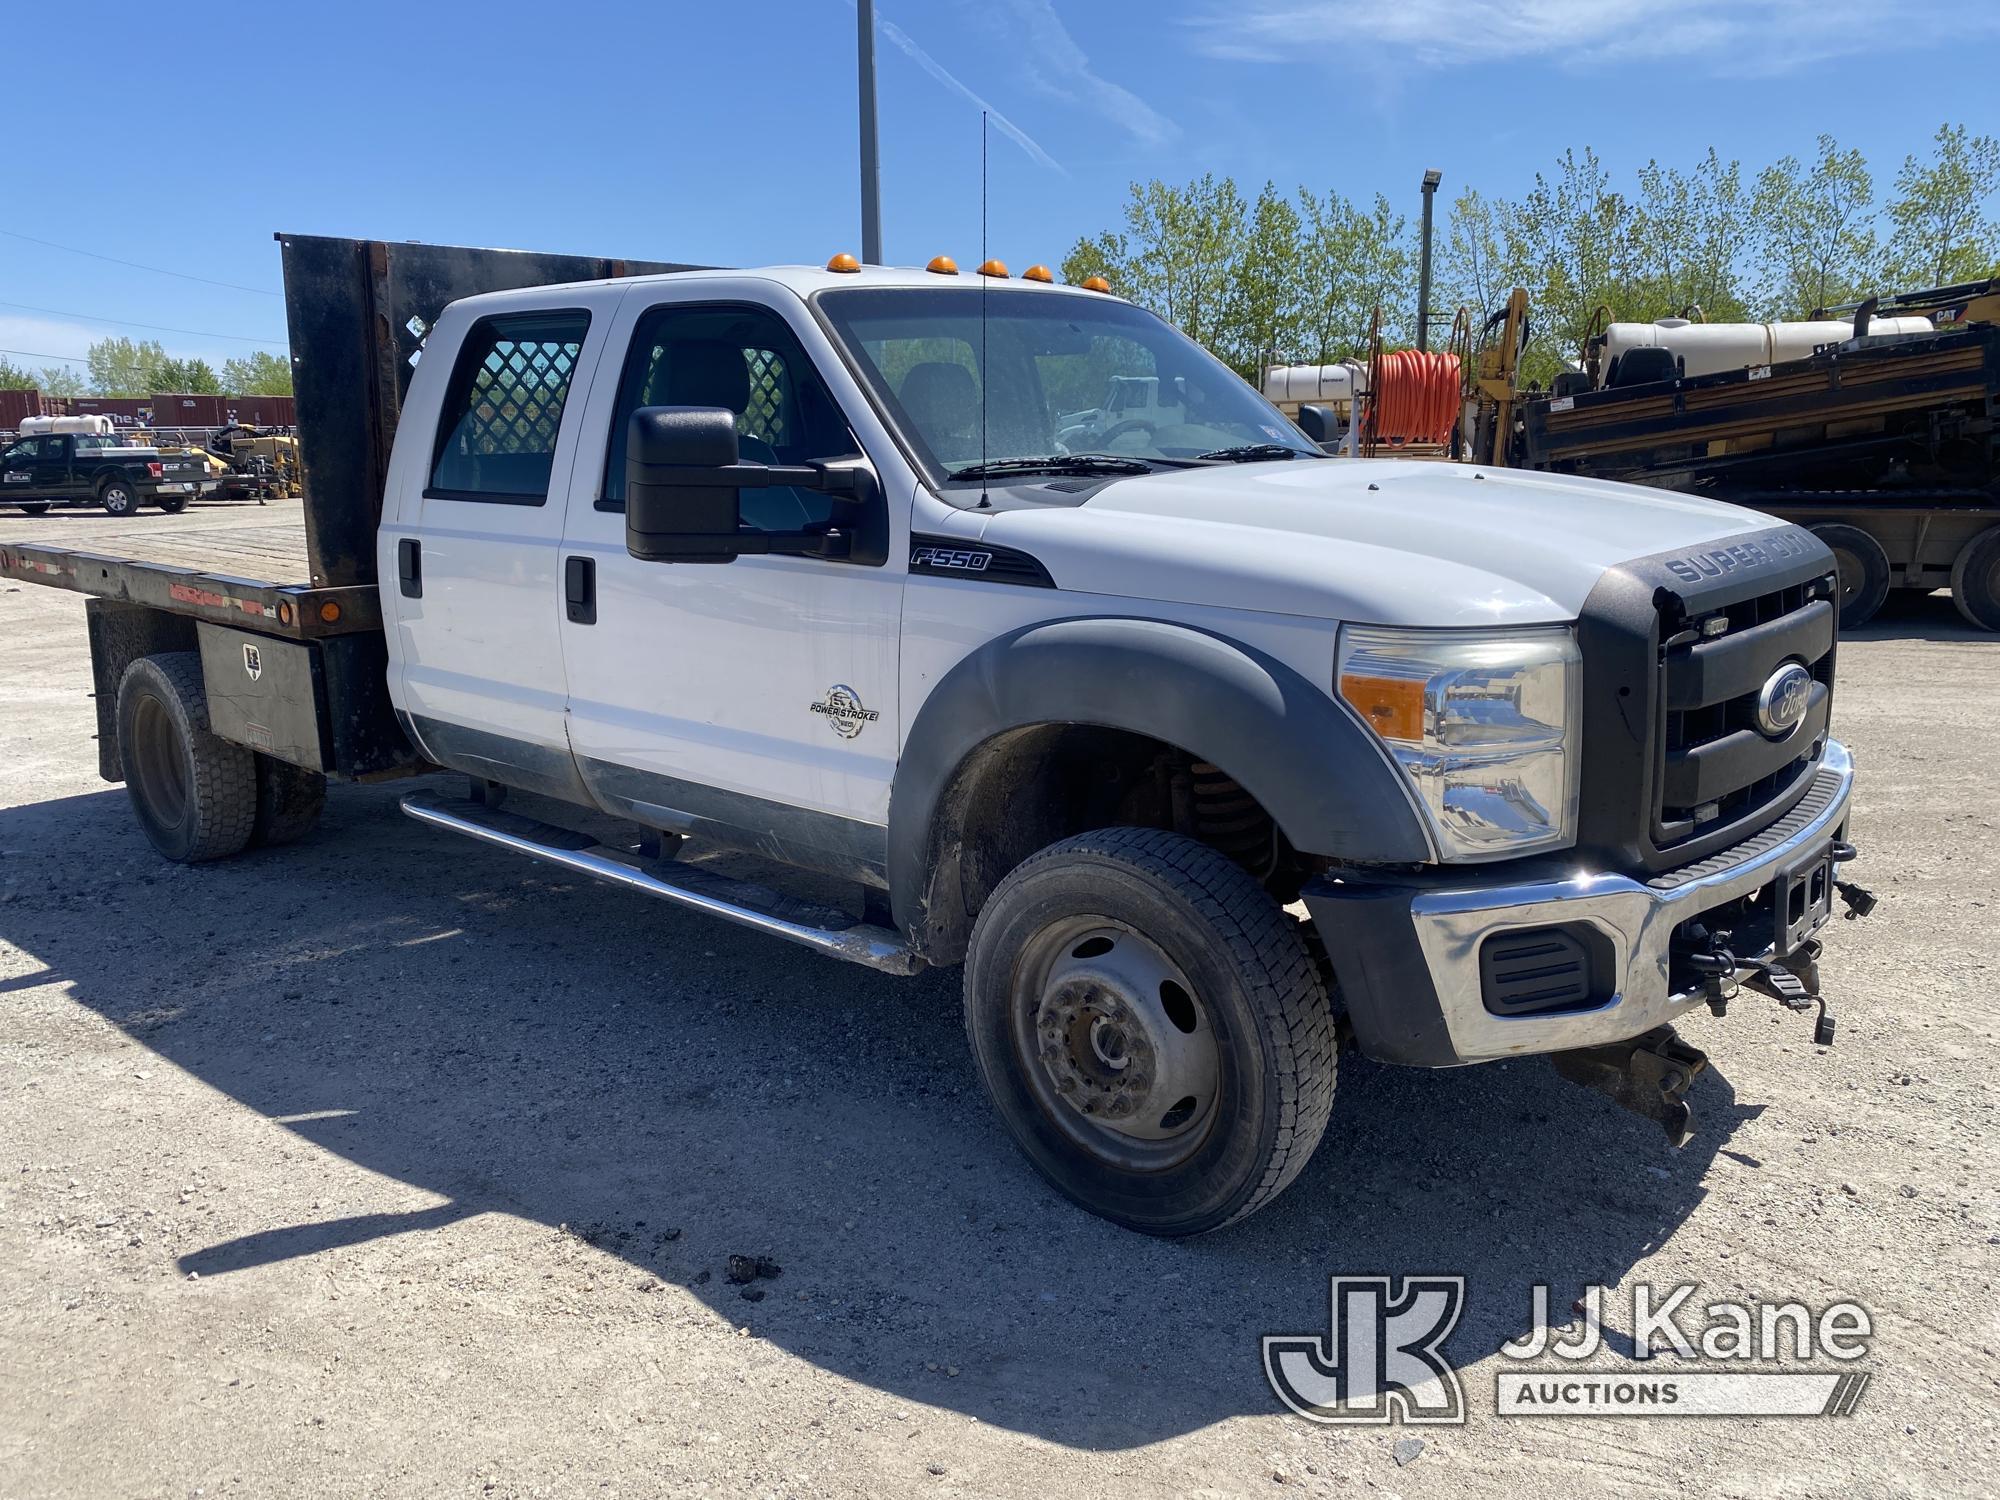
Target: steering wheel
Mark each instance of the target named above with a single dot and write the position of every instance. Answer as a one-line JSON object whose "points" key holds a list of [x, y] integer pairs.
{"points": [[1119, 429]]}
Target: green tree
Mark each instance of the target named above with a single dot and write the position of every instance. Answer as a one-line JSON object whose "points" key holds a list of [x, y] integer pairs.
{"points": [[262, 374], [1572, 239], [1941, 232], [1269, 292], [194, 376], [120, 367], [1690, 232], [1817, 231], [1355, 261], [1472, 266], [62, 380], [14, 378]]}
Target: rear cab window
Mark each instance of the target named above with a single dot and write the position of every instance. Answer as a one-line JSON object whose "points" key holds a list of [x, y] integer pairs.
{"points": [[503, 410]]}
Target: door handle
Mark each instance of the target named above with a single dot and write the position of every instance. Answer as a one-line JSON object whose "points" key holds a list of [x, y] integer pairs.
{"points": [[580, 589], [410, 566]]}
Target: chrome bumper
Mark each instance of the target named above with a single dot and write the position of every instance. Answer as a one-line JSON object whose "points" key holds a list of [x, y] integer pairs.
{"points": [[1637, 917]]}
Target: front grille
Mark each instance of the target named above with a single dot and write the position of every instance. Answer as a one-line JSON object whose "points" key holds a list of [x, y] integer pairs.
{"points": [[1717, 767]]}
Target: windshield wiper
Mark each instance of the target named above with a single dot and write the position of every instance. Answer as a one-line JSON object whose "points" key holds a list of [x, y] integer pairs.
{"points": [[1055, 463], [1245, 453]]}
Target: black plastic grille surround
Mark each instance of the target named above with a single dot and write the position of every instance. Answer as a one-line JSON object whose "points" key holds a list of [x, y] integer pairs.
{"points": [[1668, 727]]}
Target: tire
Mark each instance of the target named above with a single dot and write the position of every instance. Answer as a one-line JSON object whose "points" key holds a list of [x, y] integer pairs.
{"points": [[1118, 967], [1975, 579], [36, 508], [1864, 572], [195, 795], [173, 505], [289, 800], [118, 497]]}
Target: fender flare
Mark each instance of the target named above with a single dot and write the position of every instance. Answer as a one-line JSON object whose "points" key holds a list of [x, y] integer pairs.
{"points": [[1291, 744]]}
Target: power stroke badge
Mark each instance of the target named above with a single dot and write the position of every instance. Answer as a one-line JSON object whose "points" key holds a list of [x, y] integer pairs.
{"points": [[842, 708]]}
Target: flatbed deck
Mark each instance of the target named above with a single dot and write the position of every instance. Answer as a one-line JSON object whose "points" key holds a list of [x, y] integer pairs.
{"points": [[252, 577]]}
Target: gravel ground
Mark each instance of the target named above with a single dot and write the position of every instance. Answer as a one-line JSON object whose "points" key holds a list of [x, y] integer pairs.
{"points": [[386, 1165]]}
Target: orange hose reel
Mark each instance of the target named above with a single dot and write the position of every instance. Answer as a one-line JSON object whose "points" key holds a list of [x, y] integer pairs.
{"points": [[1415, 396]]}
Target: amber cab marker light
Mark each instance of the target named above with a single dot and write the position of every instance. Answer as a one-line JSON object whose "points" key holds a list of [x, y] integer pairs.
{"points": [[1096, 284], [1037, 273], [1393, 706], [844, 263], [943, 265], [329, 612], [993, 268]]}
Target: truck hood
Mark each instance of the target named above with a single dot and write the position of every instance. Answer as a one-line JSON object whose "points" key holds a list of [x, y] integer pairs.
{"points": [[1387, 541]]}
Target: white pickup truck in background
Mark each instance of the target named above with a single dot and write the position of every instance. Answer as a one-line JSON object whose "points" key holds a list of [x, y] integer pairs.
{"points": [[801, 562]]}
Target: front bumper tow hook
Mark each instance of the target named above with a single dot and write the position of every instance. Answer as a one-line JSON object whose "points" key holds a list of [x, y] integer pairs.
{"points": [[1648, 1075]]}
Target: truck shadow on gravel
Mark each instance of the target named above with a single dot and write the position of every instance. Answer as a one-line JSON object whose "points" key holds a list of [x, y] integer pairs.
{"points": [[676, 1091]]}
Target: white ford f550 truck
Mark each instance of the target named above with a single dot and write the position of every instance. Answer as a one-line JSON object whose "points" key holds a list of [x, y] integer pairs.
{"points": [[1207, 755]]}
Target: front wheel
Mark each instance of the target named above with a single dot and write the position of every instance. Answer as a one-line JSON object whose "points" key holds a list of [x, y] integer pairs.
{"points": [[35, 508], [1152, 1029], [118, 498]]}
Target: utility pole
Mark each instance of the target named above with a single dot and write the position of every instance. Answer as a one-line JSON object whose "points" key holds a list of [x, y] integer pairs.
{"points": [[871, 159], [1431, 180]]}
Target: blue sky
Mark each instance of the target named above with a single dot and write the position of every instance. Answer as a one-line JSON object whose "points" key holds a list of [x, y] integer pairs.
{"points": [[725, 134]]}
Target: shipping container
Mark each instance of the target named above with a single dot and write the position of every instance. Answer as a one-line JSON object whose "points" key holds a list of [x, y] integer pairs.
{"points": [[263, 411], [124, 410], [184, 410], [14, 405]]}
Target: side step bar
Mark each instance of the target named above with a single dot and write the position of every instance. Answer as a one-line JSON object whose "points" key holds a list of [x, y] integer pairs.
{"points": [[732, 900]]}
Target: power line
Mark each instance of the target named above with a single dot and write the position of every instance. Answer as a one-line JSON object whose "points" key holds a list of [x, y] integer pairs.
{"points": [[68, 359], [200, 333], [234, 286]]}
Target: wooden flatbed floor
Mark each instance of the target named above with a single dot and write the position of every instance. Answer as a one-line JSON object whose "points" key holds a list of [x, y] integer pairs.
{"points": [[213, 564]]}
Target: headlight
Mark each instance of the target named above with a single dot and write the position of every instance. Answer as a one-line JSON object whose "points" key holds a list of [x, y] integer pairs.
{"points": [[1483, 722]]}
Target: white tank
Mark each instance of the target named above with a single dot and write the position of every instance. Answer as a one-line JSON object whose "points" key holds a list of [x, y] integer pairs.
{"points": [[1315, 385], [1711, 347], [96, 423]]}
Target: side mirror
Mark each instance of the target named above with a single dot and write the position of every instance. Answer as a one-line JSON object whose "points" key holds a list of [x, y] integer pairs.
{"points": [[684, 483], [1321, 424], [682, 501]]}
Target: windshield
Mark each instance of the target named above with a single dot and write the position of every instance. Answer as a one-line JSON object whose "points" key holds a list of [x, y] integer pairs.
{"points": [[1041, 375]]}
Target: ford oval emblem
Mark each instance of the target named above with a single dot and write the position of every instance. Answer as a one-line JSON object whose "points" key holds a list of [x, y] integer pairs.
{"points": [[1781, 702]]}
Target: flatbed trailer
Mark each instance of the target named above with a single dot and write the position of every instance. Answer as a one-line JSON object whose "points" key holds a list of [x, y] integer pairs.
{"points": [[287, 617], [1887, 448]]}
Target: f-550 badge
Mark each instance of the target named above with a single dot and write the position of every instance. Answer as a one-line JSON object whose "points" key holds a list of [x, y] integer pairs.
{"points": [[951, 559], [842, 709]]}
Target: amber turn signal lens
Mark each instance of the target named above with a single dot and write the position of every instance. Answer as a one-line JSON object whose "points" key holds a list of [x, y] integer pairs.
{"points": [[329, 612], [1096, 284], [1037, 273], [843, 262], [1393, 706], [943, 265]]}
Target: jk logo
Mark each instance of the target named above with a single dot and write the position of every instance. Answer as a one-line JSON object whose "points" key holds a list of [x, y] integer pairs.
{"points": [[1380, 1360]]}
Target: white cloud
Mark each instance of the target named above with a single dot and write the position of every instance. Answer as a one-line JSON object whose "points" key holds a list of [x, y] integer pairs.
{"points": [[1727, 38], [1058, 66], [42, 339]]}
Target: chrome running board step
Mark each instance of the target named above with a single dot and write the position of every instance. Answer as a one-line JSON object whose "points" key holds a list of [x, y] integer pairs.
{"points": [[828, 932]]}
